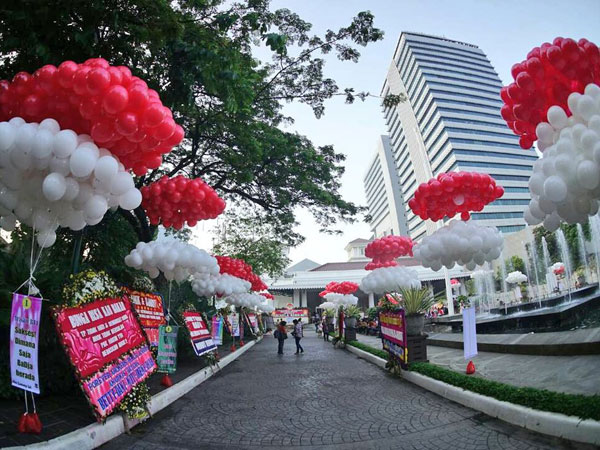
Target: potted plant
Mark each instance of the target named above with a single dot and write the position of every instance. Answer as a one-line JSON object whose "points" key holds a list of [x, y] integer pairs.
{"points": [[352, 314], [416, 302]]}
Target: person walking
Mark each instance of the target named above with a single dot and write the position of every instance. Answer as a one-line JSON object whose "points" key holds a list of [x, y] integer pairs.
{"points": [[298, 334], [325, 328], [281, 336]]}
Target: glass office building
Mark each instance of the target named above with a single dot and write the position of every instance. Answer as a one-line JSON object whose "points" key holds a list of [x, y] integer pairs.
{"points": [[451, 122]]}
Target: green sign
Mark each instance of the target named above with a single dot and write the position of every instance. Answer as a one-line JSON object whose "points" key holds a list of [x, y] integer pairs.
{"points": [[167, 348]]}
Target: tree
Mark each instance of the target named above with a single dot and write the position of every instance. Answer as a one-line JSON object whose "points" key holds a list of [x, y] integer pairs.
{"points": [[517, 263], [252, 239], [198, 56]]}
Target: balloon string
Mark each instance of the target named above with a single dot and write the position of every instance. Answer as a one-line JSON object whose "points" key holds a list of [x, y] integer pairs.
{"points": [[169, 304], [26, 405], [33, 401]]}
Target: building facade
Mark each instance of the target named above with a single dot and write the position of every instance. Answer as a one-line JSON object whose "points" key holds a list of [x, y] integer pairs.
{"points": [[451, 121], [383, 193], [302, 283]]}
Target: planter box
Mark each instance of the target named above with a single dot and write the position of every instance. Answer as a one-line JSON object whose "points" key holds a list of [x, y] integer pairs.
{"points": [[417, 348]]}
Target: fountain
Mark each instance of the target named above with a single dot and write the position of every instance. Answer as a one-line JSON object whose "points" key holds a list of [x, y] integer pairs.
{"points": [[550, 277], [484, 286], [566, 258], [534, 290], [583, 253], [595, 228], [534, 259], [503, 271]]}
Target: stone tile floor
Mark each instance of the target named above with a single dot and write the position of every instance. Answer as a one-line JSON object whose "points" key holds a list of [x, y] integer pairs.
{"points": [[324, 399], [578, 374], [61, 414]]}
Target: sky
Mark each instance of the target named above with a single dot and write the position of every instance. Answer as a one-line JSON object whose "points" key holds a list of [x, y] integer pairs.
{"points": [[506, 30]]}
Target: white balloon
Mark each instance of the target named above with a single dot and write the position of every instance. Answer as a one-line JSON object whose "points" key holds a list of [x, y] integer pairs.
{"points": [[46, 239], [54, 187], [106, 169], [7, 136], [65, 143], [50, 125], [121, 183], [83, 160], [130, 199], [60, 165], [95, 207]]}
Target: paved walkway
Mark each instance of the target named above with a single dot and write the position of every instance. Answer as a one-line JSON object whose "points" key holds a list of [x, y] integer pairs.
{"points": [[572, 374], [324, 399]]}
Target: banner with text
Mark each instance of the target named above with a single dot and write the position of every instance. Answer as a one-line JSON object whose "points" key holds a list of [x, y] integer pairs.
{"points": [[199, 334], [253, 322], [234, 322], [98, 332], [24, 336], [290, 314], [150, 311], [106, 388], [217, 330], [106, 345], [167, 348], [393, 333]]}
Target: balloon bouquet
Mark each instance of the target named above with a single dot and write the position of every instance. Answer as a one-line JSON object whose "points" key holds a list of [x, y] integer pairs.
{"points": [[386, 275], [555, 99], [339, 294], [461, 242]]}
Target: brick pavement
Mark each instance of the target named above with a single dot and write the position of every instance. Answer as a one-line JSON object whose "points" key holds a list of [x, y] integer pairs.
{"points": [[324, 399], [576, 374]]}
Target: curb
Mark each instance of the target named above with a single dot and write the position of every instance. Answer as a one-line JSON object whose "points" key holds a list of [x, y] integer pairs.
{"points": [[96, 434], [549, 423]]}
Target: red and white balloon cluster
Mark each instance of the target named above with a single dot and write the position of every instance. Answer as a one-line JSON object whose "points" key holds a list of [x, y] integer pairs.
{"points": [[459, 242], [546, 78], [338, 299], [179, 200], [246, 300], [221, 284], [239, 268], [516, 277], [177, 260], [558, 268], [390, 279], [267, 295], [453, 193], [116, 108], [345, 287], [385, 250], [51, 177], [565, 184]]}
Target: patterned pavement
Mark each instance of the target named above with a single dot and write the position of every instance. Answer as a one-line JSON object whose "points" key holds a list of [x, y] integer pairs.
{"points": [[324, 399]]}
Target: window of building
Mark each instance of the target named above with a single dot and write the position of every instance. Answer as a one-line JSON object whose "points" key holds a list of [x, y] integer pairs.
{"points": [[510, 228], [460, 151], [496, 215], [482, 132], [462, 94], [486, 143], [495, 115], [494, 165]]}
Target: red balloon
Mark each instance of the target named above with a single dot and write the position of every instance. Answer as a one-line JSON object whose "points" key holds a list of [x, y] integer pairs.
{"points": [[153, 115], [98, 80], [115, 99]]}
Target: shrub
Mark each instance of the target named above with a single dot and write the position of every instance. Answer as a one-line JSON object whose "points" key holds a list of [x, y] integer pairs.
{"points": [[583, 406], [367, 348]]}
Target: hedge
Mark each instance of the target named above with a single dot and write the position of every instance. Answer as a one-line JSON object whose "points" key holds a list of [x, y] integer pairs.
{"points": [[374, 351], [583, 406]]}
